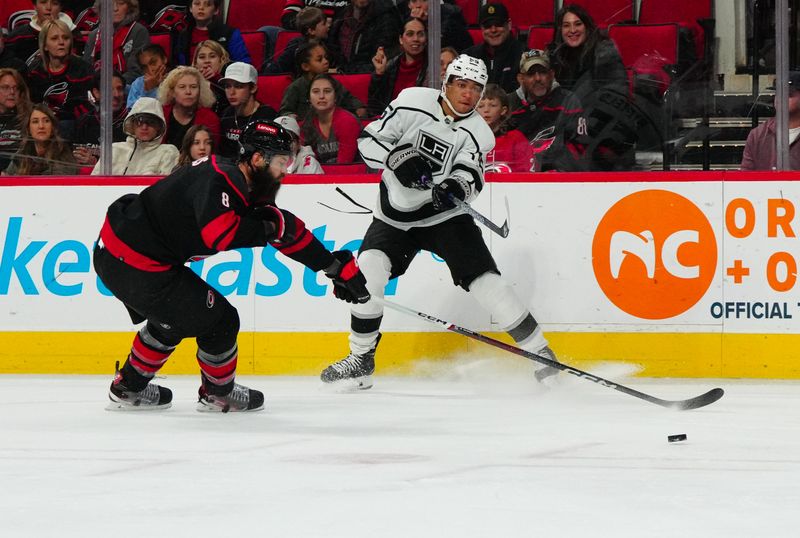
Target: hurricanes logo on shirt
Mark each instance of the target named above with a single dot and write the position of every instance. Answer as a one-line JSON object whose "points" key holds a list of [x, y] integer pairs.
{"points": [[56, 95], [436, 150]]}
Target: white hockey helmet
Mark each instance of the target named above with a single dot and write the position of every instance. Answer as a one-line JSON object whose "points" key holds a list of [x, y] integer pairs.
{"points": [[467, 68]]}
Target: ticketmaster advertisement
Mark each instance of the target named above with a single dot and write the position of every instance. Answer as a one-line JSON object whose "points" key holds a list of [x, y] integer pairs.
{"points": [[685, 278]]}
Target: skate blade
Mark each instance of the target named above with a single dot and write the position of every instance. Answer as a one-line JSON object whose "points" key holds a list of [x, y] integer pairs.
{"points": [[203, 407], [353, 384], [548, 376], [118, 406]]}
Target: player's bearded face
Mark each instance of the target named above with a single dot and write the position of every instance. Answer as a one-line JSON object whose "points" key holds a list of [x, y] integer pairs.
{"points": [[266, 175]]}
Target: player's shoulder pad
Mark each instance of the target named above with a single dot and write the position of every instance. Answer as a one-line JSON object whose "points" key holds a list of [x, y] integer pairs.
{"points": [[227, 172], [417, 97], [479, 131]]}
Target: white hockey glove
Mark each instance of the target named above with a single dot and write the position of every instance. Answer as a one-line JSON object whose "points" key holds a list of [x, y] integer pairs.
{"points": [[410, 167]]}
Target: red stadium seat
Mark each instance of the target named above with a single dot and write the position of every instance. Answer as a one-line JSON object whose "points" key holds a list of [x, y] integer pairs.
{"points": [[281, 41], [357, 84], [540, 36], [250, 15], [476, 33], [608, 12], [525, 13], [470, 9], [647, 49], [689, 14], [10, 7], [256, 43], [271, 89], [164, 40]]}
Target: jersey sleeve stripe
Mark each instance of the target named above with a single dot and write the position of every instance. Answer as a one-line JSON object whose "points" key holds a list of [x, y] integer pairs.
{"points": [[219, 233], [227, 178], [301, 243]]}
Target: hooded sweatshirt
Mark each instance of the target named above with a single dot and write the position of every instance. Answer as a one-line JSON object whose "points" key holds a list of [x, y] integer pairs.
{"points": [[137, 158]]}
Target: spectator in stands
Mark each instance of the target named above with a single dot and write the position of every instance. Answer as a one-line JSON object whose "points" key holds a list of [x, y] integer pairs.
{"points": [[241, 86], [312, 24], [587, 63], [153, 63], [331, 131], [365, 25], [197, 143], [312, 60], [130, 36], [409, 68], [23, 41], [206, 23], [151, 9], [42, 152], [303, 160], [187, 99], [512, 152], [7, 58], [86, 142], [210, 58], [143, 154], [454, 28], [500, 50], [58, 78], [333, 9], [15, 105], [447, 55], [550, 117], [760, 150]]}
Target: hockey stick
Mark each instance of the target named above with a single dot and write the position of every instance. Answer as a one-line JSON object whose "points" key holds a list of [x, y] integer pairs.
{"points": [[680, 405], [502, 231], [366, 211]]}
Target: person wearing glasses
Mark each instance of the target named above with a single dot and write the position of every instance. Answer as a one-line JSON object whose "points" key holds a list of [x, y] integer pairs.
{"points": [[15, 104], [143, 154], [500, 50], [431, 146]]}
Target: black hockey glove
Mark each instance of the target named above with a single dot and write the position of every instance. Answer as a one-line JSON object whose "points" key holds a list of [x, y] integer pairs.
{"points": [[285, 226], [449, 187], [349, 283], [411, 169]]}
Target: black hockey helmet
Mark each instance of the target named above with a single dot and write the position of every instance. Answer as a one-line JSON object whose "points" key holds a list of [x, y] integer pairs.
{"points": [[265, 137]]}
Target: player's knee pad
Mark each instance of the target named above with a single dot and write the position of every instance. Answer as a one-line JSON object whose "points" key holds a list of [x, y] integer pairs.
{"points": [[497, 297], [221, 336], [376, 268]]}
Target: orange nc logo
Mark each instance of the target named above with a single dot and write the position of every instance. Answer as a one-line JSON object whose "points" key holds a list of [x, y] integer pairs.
{"points": [[654, 254]]}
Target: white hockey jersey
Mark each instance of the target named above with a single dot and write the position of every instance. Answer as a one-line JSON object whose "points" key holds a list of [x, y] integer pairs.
{"points": [[454, 148]]}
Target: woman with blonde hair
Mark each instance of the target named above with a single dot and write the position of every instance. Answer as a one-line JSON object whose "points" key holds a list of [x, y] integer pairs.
{"points": [[15, 105], [43, 152], [187, 100], [210, 58], [57, 77]]}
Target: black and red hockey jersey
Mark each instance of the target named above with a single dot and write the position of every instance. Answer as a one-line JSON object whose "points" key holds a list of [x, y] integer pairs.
{"points": [[62, 90], [195, 212]]}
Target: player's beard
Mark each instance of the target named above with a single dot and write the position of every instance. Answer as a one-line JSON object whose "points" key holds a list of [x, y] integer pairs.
{"points": [[264, 186]]}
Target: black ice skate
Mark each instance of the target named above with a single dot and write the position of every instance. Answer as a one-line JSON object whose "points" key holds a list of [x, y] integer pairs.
{"points": [[151, 397], [240, 398], [352, 372], [547, 372]]}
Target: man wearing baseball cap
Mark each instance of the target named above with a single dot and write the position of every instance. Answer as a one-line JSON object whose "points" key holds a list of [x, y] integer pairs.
{"points": [[500, 50], [761, 150], [551, 117], [241, 84]]}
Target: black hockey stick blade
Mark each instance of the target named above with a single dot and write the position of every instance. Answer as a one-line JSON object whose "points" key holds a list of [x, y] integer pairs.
{"points": [[502, 231], [678, 405]]}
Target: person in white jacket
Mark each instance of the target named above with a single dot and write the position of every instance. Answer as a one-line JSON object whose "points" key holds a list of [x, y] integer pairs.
{"points": [[303, 159], [143, 154]]}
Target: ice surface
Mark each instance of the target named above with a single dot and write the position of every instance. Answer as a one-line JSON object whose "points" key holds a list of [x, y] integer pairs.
{"points": [[466, 451]]}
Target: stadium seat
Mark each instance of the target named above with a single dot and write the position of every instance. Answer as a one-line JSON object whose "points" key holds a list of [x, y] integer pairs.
{"points": [[164, 40], [256, 43], [476, 33], [281, 41], [470, 9], [540, 36], [271, 89], [9, 8], [250, 15], [608, 12], [695, 16], [525, 13], [648, 50], [357, 84]]}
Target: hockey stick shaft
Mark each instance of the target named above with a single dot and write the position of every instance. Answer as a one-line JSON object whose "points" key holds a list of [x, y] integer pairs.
{"points": [[502, 231], [681, 405]]}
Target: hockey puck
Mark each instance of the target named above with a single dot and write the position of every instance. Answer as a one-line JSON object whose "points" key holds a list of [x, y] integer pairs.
{"points": [[677, 437]]}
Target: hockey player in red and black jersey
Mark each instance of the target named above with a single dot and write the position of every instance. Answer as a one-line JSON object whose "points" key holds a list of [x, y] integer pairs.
{"points": [[197, 211], [432, 147]]}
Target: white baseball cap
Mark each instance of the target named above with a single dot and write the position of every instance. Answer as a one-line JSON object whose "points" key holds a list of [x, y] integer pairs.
{"points": [[241, 72], [290, 124]]}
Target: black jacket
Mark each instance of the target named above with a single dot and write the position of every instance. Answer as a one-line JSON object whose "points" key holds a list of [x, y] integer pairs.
{"points": [[380, 27], [503, 64], [381, 87]]}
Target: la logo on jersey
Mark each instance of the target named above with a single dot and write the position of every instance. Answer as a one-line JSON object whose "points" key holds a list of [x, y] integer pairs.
{"points": [[436, 150], [654, 254]]}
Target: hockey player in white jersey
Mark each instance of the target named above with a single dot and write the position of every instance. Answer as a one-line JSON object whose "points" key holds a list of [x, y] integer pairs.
{"points": [[431, 145]]}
